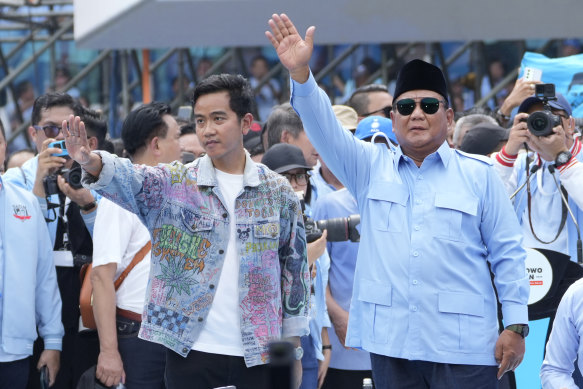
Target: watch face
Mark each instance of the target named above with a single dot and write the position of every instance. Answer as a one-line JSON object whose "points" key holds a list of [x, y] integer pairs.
{"points": [[563, 157]]}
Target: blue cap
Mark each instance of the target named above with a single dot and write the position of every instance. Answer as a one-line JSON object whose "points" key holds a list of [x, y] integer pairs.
{"points": [[560, 103], [372, 125]]}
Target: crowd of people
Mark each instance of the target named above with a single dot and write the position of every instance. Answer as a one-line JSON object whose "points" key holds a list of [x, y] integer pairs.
{"points": [[207, 248]]}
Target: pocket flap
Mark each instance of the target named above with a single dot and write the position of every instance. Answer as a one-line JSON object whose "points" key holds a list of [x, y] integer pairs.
{"points": [[195, 222], [465, 303], [466, 204], [388, 191], [375, 292], [268, 230]]}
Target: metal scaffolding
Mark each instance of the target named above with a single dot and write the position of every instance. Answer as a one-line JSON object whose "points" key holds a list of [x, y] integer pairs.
{"points": [[121, 73]]}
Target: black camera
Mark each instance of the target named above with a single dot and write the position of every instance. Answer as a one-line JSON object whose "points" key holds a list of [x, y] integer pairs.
{"points": [[72, 176], [541, 123], [340, 229]]}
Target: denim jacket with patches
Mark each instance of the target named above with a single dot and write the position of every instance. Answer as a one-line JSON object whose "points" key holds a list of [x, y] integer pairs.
{"points": [[182, 207]]}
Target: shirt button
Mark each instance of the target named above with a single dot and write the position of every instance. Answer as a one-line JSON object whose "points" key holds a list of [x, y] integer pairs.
{"points": [[418, 201], [415, 253], [200, 319], [413, 308], [221, 251], [184, 350], [417, 228], [420, 177], [211, 286], [415, 282], [225, 215]]}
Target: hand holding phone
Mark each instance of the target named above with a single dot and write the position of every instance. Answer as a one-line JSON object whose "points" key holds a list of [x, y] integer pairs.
{"points": [[532, 74], [44, 377], [60, 144]]}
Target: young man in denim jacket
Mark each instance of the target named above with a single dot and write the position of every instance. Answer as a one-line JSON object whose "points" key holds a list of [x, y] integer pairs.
{"points": [[229, 269]]}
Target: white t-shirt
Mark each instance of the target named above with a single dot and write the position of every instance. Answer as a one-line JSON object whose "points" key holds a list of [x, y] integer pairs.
{"points": [[117, 236], [222, 332]]}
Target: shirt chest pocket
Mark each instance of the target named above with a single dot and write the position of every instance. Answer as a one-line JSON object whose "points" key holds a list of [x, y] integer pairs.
{"points": [[388, 205], [450, 209]]}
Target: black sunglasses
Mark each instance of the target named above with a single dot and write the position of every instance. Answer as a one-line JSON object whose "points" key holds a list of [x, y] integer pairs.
{"points": [[51, 131], [386, 111], [429, 105]]}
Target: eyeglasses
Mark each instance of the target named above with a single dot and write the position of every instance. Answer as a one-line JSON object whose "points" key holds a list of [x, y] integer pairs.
{"points": [[385, 110], [51, 131], [429, 105], [301, 178]]}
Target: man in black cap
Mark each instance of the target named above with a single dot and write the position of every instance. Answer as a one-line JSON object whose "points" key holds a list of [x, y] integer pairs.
{"points": [[484, 139], [433, 220]]}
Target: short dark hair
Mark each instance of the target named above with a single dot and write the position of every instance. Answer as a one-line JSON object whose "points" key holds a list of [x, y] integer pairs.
{"points": [[94, 124], [241, 98], [186, 129], [50, 100], [359, 98], [282, 117], [143, 124]]}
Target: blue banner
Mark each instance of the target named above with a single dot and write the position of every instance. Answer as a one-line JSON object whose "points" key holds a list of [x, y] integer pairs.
{"points": [[565, 72]]}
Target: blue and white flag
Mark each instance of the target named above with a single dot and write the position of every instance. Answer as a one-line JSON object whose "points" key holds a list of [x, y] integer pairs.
{"points": [[565, 72]]}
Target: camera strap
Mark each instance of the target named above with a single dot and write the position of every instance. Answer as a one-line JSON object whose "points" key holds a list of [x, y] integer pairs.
{"points": [[563, 215]]}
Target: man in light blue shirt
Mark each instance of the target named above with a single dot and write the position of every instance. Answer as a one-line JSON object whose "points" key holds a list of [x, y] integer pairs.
{"points": [[434, 222], [29, 296], [564, 345]]}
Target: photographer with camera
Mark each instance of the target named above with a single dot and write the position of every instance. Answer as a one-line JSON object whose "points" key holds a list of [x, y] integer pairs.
{"points": [[288, 160], [69, 212], [545, 126]]}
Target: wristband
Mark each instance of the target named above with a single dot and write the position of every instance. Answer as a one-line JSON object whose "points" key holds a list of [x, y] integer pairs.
{"points": [[88, 207], [326, 347]]}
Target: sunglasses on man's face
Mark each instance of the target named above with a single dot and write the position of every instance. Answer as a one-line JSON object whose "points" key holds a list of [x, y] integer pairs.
{"points": [[385, 110], [51, 131], [429, 105]]}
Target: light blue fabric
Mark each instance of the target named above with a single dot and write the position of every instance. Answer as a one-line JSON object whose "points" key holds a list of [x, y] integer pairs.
{"points": [[29, 293], [319, 186], [341, 275], [547, 228], [564, 345], [182, 207], [564, 72], [25, 177], [422, 284]]}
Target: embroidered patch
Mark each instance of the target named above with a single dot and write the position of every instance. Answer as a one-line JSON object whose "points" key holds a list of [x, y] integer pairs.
{"points": [[20, 212], [167, 319]]}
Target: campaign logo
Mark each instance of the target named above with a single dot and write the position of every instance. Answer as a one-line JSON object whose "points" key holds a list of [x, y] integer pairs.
{"points": [[20, 212]]}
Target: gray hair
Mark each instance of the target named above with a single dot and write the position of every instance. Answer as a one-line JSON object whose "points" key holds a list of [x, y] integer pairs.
{"points": [[470, 121], [282, 118]]}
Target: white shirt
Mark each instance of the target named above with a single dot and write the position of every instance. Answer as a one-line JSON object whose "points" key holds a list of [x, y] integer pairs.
{"points": [[117, 236], [564, 345], [222, 331]]}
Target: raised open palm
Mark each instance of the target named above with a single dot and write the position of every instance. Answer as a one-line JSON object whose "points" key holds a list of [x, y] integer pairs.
{"points": [[76, 140], [293, 51]]}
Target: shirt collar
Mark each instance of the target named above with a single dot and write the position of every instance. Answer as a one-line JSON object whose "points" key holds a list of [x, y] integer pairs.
{"points": [[207, 176], [443, 153]]}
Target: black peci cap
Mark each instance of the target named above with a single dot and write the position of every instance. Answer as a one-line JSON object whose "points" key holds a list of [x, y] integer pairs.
{"points": [[418, 74]]}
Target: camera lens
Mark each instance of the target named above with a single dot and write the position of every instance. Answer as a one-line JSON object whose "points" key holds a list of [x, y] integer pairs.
{"points": [[539, 123]]}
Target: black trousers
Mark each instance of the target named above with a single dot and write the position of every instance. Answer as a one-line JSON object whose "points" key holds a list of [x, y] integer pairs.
{"points": [[396, 373], [345, 379], [207, 371]]}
